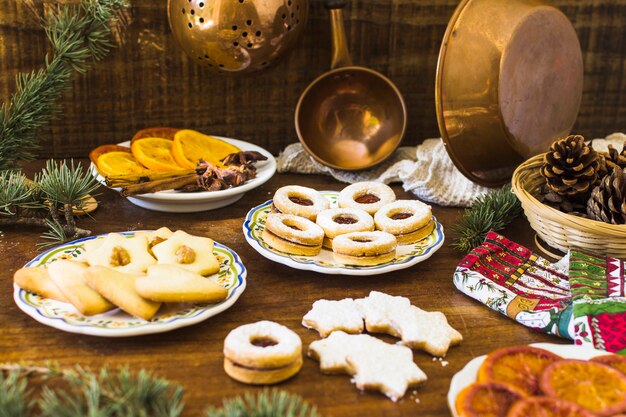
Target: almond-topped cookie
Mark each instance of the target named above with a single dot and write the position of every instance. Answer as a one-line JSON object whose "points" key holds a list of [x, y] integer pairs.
{"points": [[193, 253], [125, 254]]}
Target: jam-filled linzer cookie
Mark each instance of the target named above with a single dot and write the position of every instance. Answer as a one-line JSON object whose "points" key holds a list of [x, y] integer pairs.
{"points": [[262, 353], [339, 221], [369, 196], [364, 248], [292, 234], [408, 220], [299, 201]]}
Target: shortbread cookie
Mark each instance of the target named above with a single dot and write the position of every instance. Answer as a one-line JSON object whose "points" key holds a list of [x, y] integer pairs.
{"points": [[292, 234], [124, 254], [264, 352], [372, 363], [173, 284], [299, 201], [69, 277], [417, 328], [369, 196], [339, 221], [156, 236], [119, 288], [364, 248], [327, 316], [408, 220], [37, 280], [193, 253]]}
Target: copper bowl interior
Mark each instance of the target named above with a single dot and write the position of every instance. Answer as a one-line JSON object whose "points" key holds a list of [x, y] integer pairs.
{"points": [[351, 118]]}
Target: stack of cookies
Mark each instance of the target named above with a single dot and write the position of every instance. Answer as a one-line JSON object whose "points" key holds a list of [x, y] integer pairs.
{"points": [[364, 230], [134, 273]]}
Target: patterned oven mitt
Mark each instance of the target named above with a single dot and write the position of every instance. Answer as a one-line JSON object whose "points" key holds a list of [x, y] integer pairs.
{"points": [[512, 280], [597, 286]]}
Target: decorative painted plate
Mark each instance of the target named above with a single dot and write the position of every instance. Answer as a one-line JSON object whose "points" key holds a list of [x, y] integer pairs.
{"points": [[407, 255], [171, 201], [467, 375], [116, 323]]}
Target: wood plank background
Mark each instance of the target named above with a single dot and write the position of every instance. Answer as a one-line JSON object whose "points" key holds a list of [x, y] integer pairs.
{"points": [[149, 81]]}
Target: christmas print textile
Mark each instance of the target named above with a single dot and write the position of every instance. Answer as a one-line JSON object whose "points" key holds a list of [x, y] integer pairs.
{"points": [[511, 279]]}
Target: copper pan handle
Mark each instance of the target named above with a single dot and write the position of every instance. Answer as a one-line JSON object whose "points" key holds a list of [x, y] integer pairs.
{"points": [[340, 54]]}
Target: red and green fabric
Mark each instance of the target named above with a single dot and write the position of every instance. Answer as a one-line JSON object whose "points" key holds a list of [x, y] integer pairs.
{"points": [[511, 279], [599, 303]]}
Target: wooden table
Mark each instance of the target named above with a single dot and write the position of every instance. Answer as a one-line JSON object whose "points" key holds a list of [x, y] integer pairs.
{"points": [[192, 356]]}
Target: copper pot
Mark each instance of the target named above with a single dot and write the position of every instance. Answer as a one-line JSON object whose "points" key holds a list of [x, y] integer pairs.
{"points": [[509, 83], [351, 117]]}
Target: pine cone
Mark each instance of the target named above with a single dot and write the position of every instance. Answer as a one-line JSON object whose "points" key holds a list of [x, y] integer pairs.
{"points": [[614, 158], [607, 202], [570, 167]]}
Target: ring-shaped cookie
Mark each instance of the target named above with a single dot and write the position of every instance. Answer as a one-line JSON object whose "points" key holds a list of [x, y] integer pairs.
{"points": [[294, 229], [403, 216], [299, 201], [364, 243], [339, 221], [263, 345], [369, 196]]}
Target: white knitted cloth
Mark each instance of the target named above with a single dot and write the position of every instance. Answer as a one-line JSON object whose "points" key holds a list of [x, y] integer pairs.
{"points": [[425, 170]]}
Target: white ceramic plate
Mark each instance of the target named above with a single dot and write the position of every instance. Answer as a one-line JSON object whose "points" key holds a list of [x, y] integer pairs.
{"points": [[467, 375], [171, 201], [407, 255], [116, 323]]}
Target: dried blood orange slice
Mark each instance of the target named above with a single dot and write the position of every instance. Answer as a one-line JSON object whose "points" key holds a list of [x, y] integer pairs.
{"points": [[547, 407], [614, 361], [155, 132], [486, 399], [595, 386], [102, 149], [518, 366]]}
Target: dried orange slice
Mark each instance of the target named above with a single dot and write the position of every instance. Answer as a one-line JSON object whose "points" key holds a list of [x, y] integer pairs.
{"points": [[518, 366], [191, 146], [592, 385], [547, 407], [614, 361], [155, 132], [486, 399], [155, 153], [102, 149], [118, 163]]}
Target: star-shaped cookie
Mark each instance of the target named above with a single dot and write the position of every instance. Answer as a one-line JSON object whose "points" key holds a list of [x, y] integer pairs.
{"points": [[417, 328], [327, 316], [373, 363]]}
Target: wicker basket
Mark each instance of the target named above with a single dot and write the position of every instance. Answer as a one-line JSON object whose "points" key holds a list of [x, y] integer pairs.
{"points": [[561, 230]]}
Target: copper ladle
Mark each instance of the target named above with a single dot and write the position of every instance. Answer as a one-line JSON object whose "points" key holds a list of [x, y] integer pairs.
{"points": [[350, 117]]}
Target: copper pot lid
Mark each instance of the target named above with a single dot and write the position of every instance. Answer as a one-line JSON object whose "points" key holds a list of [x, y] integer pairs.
{"points": [[509, 83]]}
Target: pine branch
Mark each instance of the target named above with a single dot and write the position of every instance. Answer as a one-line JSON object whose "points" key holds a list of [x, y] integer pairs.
{"points": [[79, 35], [274, 403], [108, 393], [492, 211]]}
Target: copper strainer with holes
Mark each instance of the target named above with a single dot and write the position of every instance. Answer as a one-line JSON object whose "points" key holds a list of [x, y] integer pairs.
{"points": [[237, 36]]}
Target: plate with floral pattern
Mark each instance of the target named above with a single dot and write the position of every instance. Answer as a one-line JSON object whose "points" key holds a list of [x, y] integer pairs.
{"points": [[407, 255], [116, 323]]}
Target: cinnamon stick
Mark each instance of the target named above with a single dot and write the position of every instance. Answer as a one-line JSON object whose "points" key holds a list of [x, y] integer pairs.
{"points": [[128, 179], [159, 185]]}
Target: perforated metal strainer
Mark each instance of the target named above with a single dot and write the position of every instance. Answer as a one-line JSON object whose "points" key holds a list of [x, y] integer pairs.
{"points": [[236, 36]]}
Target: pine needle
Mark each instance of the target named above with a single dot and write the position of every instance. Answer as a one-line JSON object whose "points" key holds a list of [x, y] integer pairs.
{"points": [[274, 403], [80, 35], [492, 211]]}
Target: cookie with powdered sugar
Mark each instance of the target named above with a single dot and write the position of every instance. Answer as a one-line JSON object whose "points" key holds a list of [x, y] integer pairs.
{"points": [[372, 363], [418, 329], [327, 316]]}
